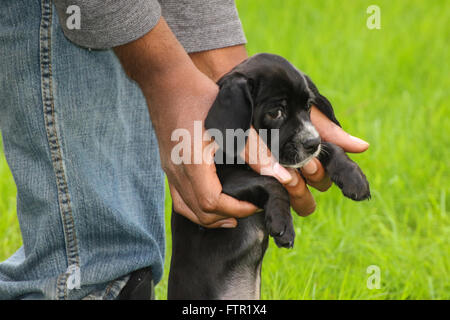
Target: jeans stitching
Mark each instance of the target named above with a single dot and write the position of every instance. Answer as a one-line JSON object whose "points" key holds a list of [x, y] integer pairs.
{"points": [[55, 147], [114, 288]]}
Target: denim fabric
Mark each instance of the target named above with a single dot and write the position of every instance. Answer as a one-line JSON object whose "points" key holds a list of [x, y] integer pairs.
{"points": [[79, 142]]}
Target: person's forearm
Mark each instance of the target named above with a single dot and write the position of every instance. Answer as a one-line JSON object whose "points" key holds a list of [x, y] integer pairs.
{"points": [[157, 61], [158, 54], [166, 75]]}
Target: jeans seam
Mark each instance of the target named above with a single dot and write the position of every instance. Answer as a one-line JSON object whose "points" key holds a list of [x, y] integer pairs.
{"points": [[55, 148], [114, 288]]}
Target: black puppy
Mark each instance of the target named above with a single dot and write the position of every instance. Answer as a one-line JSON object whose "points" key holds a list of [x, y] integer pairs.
{"points": [[268, 92]]}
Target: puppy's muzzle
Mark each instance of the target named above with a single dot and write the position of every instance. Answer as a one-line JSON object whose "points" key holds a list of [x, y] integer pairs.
{"points": [[311, 145]]}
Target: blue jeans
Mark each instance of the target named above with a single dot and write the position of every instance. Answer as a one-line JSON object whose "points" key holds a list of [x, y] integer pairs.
{"points": [[79, 142]]}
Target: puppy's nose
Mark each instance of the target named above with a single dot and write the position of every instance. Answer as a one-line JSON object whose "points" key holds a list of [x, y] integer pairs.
{"points": [[311, 145]]}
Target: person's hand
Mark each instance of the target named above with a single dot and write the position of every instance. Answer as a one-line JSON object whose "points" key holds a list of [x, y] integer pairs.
{"points": [[195, 188], [264, 163]]}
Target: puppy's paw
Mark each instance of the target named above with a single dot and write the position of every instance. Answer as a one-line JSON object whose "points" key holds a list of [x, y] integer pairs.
{"points": [[286, 239], [279, 222], [352, 181]]}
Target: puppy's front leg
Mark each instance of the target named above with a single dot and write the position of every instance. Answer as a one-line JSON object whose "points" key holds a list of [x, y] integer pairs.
{"points": [[266, 193], [345, 173]]}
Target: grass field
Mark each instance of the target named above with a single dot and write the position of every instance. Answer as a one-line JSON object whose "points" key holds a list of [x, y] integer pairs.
{"points": [[388, 86]]}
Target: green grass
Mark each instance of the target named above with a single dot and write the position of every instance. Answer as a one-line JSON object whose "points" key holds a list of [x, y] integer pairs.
{"points": [[389, 87], [10, 238]]}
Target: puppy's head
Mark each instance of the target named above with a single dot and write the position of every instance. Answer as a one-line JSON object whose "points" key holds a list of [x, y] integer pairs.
{"points": [[268, 92]]}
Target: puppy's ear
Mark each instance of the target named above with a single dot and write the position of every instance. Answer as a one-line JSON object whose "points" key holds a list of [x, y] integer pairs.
{"points": [[233, 107], [321, 102]]}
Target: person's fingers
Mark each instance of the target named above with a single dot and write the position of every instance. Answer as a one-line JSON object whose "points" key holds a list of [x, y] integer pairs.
{"points": [[258, 156], [216, 221], [230, 206], [208, 190], [331, 132], [316, 176], [301, 198]]}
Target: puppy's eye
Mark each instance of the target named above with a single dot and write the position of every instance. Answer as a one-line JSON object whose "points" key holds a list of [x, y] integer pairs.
{"points": [[275, 114]]}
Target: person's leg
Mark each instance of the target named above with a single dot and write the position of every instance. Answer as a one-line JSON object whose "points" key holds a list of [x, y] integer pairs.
{"points": [[79, 142]]}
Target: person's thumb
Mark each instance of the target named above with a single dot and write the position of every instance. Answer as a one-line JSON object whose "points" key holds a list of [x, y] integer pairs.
{"points": [[331, 132]]}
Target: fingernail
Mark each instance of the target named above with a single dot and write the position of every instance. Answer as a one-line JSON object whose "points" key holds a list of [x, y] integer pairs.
{"points": [[310, 168], [294, 180], [227, 225], [358, 140], [281, 173]]}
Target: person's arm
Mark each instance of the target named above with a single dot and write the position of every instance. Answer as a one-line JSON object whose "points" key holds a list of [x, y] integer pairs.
{"points": [[178, 94]]}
